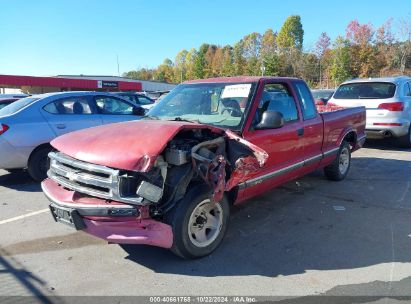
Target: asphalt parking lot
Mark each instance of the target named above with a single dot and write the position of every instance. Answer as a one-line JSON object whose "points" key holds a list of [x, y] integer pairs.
{"points": [[310, 237]]}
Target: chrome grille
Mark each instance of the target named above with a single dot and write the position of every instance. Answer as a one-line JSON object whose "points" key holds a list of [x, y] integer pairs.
{"points": [[90, 179]]}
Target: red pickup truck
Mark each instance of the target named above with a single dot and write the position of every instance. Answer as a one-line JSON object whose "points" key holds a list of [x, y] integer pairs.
{"points": [[169, 179]]}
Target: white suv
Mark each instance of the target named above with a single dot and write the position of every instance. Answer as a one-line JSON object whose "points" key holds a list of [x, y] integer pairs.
{"points": [[388, 104]]}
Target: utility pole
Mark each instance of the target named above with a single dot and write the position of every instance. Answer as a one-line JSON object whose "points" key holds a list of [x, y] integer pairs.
{"points": [[118, 67], [262, 69]]}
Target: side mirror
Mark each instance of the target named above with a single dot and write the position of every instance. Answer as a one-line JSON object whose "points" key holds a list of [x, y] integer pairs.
{"points": [[270, 120], [139, 111]]}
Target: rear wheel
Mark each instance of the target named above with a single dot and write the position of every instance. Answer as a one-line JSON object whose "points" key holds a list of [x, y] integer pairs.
{"points": [[198, 224], [339, 168], [405, 141], [39, 164]]}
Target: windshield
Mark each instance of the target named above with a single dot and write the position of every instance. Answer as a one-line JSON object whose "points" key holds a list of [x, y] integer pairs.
{"points": [[17, 106], [317, 94], [365, 90], [217, 104]]}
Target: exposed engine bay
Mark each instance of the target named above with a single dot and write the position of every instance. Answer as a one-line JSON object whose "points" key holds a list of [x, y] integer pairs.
{"points": [[222, 161]]}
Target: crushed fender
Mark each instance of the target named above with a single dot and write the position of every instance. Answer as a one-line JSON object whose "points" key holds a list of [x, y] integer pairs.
{"points": [[227, 161]]}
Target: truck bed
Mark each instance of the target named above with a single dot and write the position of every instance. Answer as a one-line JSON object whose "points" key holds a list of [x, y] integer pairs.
{"points": [[338, 121]]}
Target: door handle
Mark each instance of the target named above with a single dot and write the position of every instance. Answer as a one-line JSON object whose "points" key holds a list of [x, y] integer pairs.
{"points": [[61, 126], [300, 132]]}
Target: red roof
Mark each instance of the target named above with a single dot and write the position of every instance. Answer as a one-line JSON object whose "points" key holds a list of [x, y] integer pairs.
{"points": [[58, 82]]}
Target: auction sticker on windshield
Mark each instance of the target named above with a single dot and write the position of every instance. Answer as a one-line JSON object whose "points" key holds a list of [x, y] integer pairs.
{"points": [[236, 90]]}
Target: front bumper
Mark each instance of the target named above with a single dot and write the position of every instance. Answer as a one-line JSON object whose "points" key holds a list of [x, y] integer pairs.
{"points": [[113, 221]]}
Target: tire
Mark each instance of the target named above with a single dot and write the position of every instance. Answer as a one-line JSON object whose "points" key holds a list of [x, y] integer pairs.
{"points": [[39, 164], [189, 224], [405, 141], [339, 168]]}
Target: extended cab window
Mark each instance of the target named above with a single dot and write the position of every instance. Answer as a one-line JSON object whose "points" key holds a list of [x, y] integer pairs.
{"points": [[306, 101], [113, 106], [277, 97], [69, 105]]}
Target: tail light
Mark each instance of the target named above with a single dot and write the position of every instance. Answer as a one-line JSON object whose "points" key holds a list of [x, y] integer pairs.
{"points": [[3, 128], [392, 106]]}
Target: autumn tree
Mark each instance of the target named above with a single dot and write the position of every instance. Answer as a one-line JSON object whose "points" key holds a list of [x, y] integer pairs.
{"points": [[239, 61], [405, 45], [180, 66], [227, 63], [200, 61], [190, 64], [290, 44], [291, 34], [164, 72], [360, 36], [341, 68], [321, 47], [268, 53]]}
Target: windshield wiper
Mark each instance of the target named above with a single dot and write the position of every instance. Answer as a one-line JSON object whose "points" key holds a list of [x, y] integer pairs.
{"points": [[151, 117], [178, 118]]}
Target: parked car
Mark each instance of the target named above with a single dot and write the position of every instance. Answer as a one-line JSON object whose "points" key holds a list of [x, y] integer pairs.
{"points": [[388, 104], [28, 125], [322, 96], [137, 99], [169, 179], [157, 94]]}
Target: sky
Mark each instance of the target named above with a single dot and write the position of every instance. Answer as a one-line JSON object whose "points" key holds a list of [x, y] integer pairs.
{"points": [[50, 37]]}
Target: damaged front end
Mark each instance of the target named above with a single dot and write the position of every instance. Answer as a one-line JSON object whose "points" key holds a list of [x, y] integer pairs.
{"points": [[128, 206]]}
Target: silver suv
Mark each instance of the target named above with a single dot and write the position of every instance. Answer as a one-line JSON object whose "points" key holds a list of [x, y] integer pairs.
{"points": [[388, 104]]}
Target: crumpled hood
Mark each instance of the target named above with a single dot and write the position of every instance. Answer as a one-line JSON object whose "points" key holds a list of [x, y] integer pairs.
{"points": [[132, 145]]}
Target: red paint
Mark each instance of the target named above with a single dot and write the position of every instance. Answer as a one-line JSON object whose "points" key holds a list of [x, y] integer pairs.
{"points": [[146, 232], [395, 124], [63, 83], [3, 128], [131, 145]]}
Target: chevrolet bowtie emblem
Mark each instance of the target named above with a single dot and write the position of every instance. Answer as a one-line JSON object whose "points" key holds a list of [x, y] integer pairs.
{"points": [[71, 176]]}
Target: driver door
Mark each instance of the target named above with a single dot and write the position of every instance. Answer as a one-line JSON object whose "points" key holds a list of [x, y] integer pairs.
{"points": [[283, 145]]}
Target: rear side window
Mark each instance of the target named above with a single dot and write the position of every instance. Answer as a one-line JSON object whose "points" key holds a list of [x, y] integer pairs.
{"points": [[70, 105], [365, 90], [17, 106], [306, 100]]}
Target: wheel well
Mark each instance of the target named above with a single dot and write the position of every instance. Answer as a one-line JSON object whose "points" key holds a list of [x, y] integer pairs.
{"points": [[351, 138], [42, 146]]}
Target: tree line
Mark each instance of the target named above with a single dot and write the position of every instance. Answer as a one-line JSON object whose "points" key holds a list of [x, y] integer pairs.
{"points": [[363, 51]]}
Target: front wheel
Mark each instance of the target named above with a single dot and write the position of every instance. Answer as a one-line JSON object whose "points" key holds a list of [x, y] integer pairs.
{"points": [[39, 164], [198, 224], [339, 168]]}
